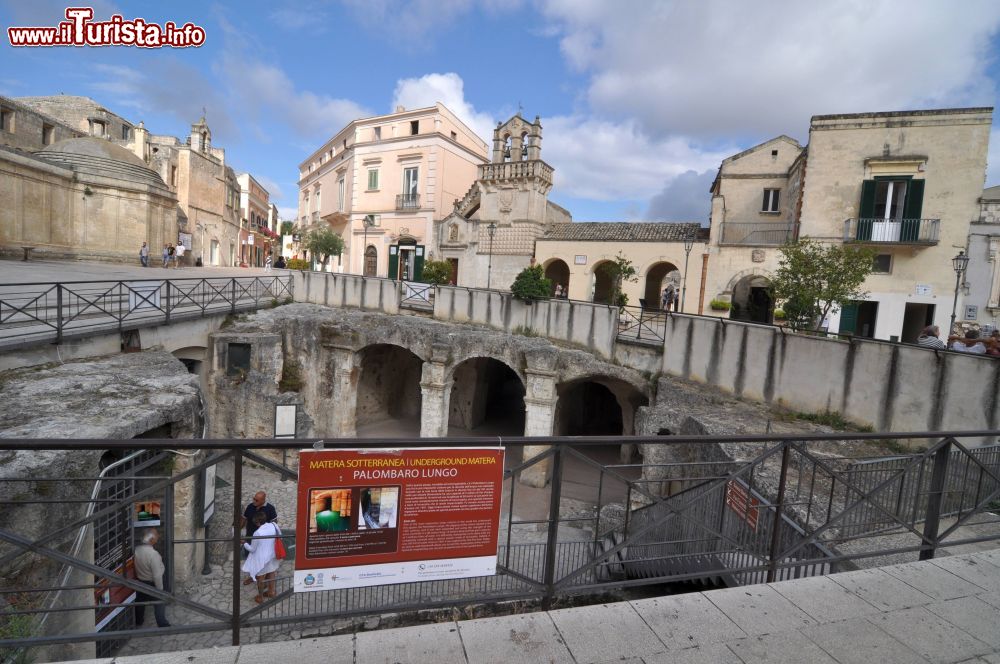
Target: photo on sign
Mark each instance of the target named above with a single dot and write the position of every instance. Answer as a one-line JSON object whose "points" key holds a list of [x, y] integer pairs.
{"points": [[147, 514], [330, 510], [378, 508]]}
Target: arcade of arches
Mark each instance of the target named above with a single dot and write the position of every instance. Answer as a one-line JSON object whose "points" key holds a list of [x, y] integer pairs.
{"points": [[376, 375]]}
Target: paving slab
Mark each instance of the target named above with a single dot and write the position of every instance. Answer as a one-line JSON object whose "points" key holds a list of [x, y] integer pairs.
{"points": [[971, 615], [939, 584], [226, 655], [822, 599], [759, 609], [929, 635], [785, 647], [881, 590], [585, 630], [860, 642], [528, 638], [437, 643], [973, 569], [683, 621], [326, 650], [991, 597], [712, 653]]}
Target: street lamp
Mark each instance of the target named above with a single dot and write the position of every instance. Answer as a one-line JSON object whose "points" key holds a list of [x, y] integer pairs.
{"points": [[368, 222], [492, 230], [959, 262], [688, 244]]}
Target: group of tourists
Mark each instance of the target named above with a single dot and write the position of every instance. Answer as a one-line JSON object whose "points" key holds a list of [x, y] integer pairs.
{"points": [[172, 255], [668, 298], [970, 342]]}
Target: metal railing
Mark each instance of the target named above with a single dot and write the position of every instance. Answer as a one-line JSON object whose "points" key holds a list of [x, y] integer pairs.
{"points": [[773, 507], [756, 234], [40, 312], [417, 295], [892, 231], [642, 324], [407, 201]]}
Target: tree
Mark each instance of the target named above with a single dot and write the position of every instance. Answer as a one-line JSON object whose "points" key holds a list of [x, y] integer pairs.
{"points": [[323, 242], [619, 271], [531, 284], [287, 227], [814, 279], [436, 272]]}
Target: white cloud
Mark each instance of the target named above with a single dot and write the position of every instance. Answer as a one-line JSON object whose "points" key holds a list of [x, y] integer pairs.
{"points": [[288, 213], [684, 198], [409, 24], [274, 189], [449, 90], [730, 67]]}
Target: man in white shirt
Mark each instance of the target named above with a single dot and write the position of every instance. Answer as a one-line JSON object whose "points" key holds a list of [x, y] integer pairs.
{"points": [[180, 254], [149, 569]]}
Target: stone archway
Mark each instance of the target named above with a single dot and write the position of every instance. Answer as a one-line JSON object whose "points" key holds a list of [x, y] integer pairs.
{"points": [[752, 301], [486, 398], [388, 392], [657, 277], [557, 271], [603, 286]]}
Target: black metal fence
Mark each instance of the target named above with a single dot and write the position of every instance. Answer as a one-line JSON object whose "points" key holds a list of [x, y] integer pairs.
{"points": [[642, 324], [43, 312], [753, 509]]}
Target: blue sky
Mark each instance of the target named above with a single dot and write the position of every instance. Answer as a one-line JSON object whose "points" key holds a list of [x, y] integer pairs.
{"points": [[639, 100]]}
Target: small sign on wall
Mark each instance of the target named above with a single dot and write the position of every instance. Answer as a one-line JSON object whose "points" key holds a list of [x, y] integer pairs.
{"points": [[971, 312], [922, 289], [579, 260], [284, 421]]}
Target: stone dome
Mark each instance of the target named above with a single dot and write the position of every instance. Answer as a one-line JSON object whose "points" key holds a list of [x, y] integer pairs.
{"points": [[98, 156]]}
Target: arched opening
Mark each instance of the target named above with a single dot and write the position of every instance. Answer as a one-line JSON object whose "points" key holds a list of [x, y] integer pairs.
{"points": [[602, 284], [558, 273], [371, 261], [193, 358], [752, 300], [657, 278], [487, 398], [388, 392]]}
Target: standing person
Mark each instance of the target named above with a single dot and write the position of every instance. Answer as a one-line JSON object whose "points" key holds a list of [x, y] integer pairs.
{"points": [[172, 258], [166, 255], [179, 254], [267, 263], [149, 569], [144, 255], [970, 344], [280, 263], [258, 504], [930, 338], [667, 298], [559, 291], [261, 564]]}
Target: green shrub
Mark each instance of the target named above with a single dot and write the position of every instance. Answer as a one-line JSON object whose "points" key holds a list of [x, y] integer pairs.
{"points": [[531, 285], [720, 305], [779, 314], [436, 272], [298, 264]]}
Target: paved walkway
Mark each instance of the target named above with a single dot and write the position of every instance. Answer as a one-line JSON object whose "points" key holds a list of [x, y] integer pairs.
{"points": [[945, 610], [42, 271]]}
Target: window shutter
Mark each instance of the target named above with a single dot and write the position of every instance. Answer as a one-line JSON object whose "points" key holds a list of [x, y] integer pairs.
{"points": [[867, 209], [849, 318], [914, 204], [774, 199], [418, 263], [393, 262], [763, 203]]}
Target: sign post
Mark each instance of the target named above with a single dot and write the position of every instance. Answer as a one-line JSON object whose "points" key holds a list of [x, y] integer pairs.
{"points": [[370, 517]]}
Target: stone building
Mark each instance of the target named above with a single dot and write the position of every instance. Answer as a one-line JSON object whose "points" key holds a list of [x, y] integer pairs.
{"points": [[383, 182], [980, 292], [906, 183], [206, 217], [490, 235], [255, 212]]}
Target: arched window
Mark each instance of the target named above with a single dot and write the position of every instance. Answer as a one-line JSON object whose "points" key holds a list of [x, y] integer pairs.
{"points": [[371, 261]]}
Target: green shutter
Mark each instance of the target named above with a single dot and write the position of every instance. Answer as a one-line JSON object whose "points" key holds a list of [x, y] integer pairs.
{"points": [[867, 210], [849, 318], [393, 261], [418, 263], [912, 209]]}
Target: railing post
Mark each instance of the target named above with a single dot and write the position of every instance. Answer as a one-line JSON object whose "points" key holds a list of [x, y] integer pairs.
{"points": [[233, 289], [779, 510], [166, 303], [935, 497], [59, 313], [237, 537], [552, 541]]}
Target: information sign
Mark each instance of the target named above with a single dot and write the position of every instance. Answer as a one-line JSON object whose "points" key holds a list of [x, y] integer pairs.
{"points": [[378, 516]]}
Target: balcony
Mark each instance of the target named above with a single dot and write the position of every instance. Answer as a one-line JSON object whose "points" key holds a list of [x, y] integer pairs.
{"points": [[534, 168], [756, 234], [407, 201], [892, 231]]}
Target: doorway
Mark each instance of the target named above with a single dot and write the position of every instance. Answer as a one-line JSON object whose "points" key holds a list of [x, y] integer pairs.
{"points": [[915, 318], [453, 274], [858, 319]]}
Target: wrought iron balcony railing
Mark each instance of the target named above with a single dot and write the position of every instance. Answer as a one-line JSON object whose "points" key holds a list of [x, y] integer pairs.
{"points": [[892, 231], [756, 234], [407, 201]]}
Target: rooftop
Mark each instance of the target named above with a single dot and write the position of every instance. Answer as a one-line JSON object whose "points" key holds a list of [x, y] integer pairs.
{"points": [[623, 231]]}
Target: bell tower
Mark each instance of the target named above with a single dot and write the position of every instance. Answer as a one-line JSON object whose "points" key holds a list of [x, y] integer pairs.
{"points": [[517, 140]]}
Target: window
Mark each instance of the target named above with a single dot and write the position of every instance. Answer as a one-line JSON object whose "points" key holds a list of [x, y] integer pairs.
{"points": [[7, 120], [237, 359], [126, 132], [372, 179], [378, 133], [173, 176], [97, 128], [770, 203], [371, 261], [890, 198], [48, 134], [340, 194], [454, 136], [318, 192], [410, 181], [882, 264], [414, 127]]}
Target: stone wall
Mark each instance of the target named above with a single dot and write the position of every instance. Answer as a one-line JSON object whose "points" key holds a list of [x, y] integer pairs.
{"points": [[890, 387]]}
